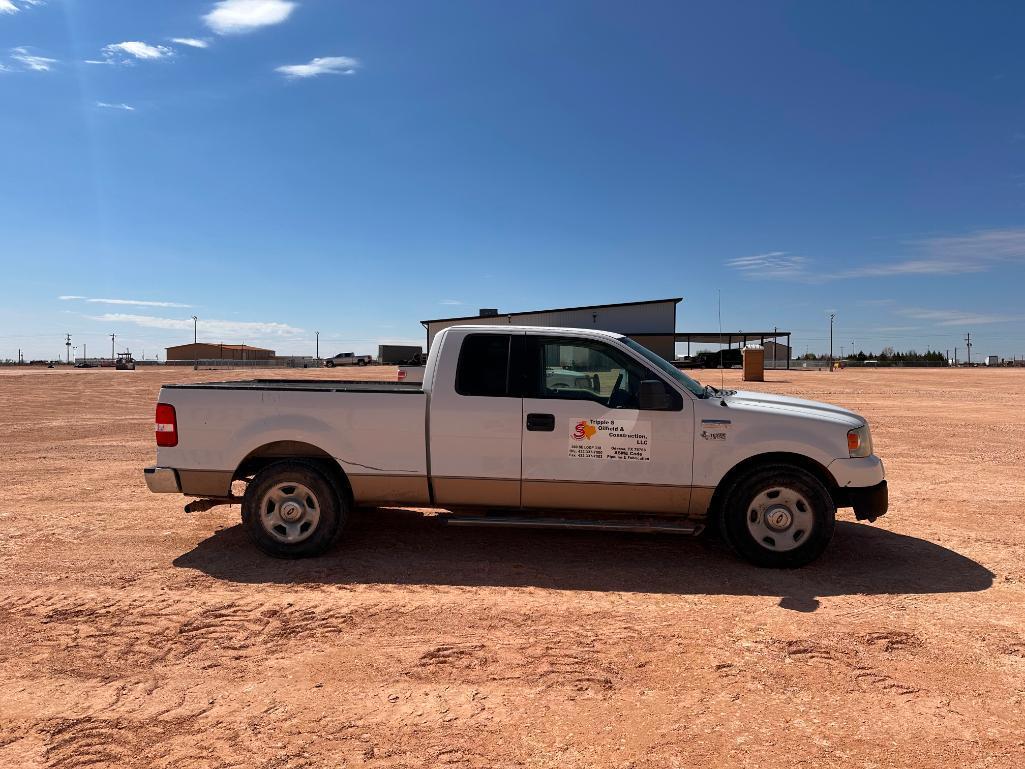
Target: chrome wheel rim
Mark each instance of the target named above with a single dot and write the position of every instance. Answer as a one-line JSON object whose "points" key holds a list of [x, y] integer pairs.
{"points": [[780, 519], [290, 512]]}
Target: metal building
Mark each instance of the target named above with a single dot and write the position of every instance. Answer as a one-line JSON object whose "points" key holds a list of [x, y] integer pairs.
{"points": [[651, 323], [211, 351]]}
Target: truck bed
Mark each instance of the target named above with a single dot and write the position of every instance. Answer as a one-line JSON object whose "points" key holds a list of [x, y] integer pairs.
{"points": [[305, 385]]}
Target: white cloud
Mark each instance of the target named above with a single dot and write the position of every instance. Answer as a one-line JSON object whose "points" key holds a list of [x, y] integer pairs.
{"points": [[191, 42], [450, 301], [774, 265], [954, 317], [106, 105], [234, 17], [10, 6], [226, 328], [30, 61], [137, 50], [133, 302], [978, 251], [326, 65]]}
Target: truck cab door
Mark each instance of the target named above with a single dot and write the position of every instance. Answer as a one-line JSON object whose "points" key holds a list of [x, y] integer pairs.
{"points": [[587, 443], [475, 423]]}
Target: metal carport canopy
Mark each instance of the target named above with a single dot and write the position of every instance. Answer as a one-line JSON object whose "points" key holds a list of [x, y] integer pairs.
{"points": [[729, 337]]}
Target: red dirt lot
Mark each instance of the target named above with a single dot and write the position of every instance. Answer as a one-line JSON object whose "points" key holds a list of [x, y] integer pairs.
{"points": [[134, 635]]}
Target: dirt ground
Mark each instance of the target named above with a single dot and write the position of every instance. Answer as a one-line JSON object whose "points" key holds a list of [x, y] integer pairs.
{"points": [[134, 635]]}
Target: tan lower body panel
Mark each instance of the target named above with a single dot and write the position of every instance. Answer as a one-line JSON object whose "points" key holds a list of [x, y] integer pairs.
{"points": [[700, 499], [205, 483], [393, 489], [588, 495], [687, 501], [487, 492]]}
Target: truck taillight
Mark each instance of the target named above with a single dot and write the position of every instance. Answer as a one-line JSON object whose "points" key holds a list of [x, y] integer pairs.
{"points": [[167, 425], [402, 375]]}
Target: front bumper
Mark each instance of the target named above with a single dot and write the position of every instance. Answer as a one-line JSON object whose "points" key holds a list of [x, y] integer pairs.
{"points": [[162, 480], [857, 472], [869, 503]]}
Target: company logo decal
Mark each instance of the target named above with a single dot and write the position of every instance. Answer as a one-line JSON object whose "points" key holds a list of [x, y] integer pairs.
{"points": [[584, 429], [610, 439]]}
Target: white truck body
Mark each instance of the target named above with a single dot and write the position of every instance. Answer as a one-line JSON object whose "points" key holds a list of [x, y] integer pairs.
{"points": [[563, 445]]}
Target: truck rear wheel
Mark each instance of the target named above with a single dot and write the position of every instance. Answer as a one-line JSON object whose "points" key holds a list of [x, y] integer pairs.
{"points": [[290, 510], [779, 516]]}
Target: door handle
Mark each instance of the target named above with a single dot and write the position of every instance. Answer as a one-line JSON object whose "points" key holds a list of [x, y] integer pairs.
{"points": [[541, 422]]}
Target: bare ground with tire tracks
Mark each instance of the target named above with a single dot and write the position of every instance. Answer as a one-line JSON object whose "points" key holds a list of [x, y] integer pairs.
{"points": [[133, 635]]}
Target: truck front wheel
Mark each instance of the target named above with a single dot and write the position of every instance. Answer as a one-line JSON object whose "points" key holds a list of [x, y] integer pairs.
{"points": [[290, 510], [778, 517]]}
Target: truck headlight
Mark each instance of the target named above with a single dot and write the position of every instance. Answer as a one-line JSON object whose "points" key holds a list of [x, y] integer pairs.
{"points": [[859, 442]]}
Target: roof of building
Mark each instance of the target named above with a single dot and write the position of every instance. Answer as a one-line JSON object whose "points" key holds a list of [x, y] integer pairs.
{"points": [[222, 346], [674, 300], [724, 336]]}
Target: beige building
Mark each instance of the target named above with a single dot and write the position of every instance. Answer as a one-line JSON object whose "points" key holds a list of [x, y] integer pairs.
{"points": [[218, 351]]}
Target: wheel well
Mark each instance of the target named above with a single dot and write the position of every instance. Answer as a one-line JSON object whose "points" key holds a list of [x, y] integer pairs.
{"points": [[270, 453], [774, 458]]}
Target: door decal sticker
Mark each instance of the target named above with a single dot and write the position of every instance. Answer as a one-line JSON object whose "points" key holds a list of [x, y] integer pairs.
{"points": [[615, 439]]}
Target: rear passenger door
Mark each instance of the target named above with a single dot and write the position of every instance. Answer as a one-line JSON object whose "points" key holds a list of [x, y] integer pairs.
{"points": [[476, 415], [587, 444]]}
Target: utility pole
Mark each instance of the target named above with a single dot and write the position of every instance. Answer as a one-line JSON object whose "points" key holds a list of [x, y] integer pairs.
{"points": [[112, 355], [831, 316], [67, 345], [968, 341], [841, 352], [318, 344], [84, 355], [195, 329], [195, 340]]}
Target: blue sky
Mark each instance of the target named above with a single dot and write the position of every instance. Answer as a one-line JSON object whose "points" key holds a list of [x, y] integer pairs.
{"points": [[277, 168]]}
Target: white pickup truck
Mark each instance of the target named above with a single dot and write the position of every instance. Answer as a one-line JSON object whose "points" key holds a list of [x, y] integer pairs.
{"points": [[348, 359], [515, 426]]}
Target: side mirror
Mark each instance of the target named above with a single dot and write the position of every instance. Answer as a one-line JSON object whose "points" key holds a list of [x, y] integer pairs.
{"points": [[653, 396]]}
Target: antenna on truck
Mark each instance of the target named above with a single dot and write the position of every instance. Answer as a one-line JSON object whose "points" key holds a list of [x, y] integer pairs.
{"points": [[722, 370]]}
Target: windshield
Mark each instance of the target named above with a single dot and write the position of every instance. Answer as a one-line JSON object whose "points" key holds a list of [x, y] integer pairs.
{"points": [[665, 367]]}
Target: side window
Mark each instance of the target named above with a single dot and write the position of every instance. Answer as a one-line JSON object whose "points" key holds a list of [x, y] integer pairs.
{"points": [[483, 368], [584, 370]]}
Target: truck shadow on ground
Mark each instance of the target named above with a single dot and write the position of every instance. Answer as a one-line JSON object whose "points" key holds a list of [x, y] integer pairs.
{"points": [[405, 547]]}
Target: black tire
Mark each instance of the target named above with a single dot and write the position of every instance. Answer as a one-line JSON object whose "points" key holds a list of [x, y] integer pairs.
{"points": [[329, 364], [752, 519], [361, 362], [270, 501]]}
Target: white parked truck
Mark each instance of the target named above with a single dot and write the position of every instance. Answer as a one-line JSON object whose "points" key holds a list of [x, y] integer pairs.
{"points": [[515, 426], [348, 359]]}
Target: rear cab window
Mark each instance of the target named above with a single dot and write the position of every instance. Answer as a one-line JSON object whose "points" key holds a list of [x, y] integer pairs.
{"points": [[483, 367]]}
